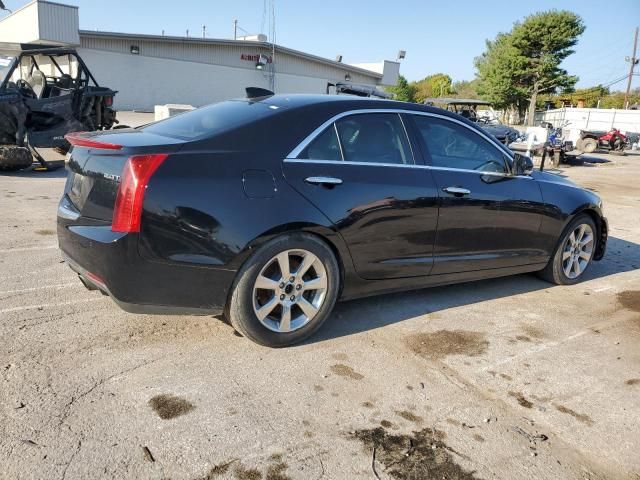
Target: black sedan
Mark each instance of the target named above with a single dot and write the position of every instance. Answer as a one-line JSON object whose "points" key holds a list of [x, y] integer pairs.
{"points": [[273, 208]]}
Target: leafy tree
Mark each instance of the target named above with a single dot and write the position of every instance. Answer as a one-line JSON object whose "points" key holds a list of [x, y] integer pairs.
{"points": [[520, 65], [436, 85], [465, 89], [403, 90], [499, 70]]}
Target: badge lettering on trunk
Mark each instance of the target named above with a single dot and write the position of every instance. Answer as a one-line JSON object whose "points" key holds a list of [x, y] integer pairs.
{"points": [[109, 176]]}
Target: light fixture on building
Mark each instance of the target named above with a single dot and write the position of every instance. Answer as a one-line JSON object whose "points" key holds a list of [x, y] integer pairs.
{"points": [[134, 49], [347, 78], [401, 54], [262, 62], [338, 58]]}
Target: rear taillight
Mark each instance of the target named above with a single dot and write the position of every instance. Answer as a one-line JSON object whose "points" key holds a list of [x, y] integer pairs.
{"points": [[108, 101], [133, 183], [79, 139]]}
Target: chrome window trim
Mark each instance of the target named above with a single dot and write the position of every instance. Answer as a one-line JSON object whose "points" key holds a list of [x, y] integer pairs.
{"points": [[406, 135], [335, 129], [302, 145], [403, 165]]}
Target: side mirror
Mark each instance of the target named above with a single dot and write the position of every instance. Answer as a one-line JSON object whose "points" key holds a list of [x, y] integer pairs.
{"points": [[522, 165]]}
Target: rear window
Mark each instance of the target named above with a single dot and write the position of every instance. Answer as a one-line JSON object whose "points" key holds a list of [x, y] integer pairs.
{"points": [[212, 119]]}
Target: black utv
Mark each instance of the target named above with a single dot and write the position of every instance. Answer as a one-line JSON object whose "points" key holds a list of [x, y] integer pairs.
{"points": [[45, 93]]}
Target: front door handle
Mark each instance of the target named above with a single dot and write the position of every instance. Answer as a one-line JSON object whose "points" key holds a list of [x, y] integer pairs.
{"points": [[457, 191], [328, 181]]}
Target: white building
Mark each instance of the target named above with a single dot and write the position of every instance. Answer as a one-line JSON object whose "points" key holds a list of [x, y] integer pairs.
{"points": [[153, 69]]}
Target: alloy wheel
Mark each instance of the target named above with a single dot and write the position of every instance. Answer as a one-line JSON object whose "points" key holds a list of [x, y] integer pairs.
{"points": [[578, 250], [289, 290]]}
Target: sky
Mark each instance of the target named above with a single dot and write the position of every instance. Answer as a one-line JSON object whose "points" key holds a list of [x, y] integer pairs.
{"points": [[438, 36]]}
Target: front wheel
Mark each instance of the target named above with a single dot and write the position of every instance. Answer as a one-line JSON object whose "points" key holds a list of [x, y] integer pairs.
{"points": [[574, 253], [285, 291]]}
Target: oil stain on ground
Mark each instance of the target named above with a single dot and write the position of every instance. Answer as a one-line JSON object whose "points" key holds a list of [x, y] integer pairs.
{"points": [[420, 455], [586, 419], [170, 406], [45, 232], [411, 417], [440, 344], [532, 331], [521, 399], [630, 299], [633, 381], [346, 371]]}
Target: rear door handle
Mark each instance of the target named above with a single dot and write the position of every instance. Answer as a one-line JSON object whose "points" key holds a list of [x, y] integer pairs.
{"points": [[457, 191], [328, 181]]}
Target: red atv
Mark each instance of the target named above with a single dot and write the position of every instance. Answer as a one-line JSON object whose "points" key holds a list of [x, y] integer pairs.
{"points": [[613, 140]]}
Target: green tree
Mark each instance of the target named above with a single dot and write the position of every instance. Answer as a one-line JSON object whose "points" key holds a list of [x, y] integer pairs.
{"points": [[403, 90], [500, 68], [465, 89], [520, 65], [436, 85]]}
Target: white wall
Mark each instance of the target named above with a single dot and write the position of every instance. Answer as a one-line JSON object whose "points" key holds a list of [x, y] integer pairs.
{"points": [[21, 26], [143, 82], [41, 22], [595, 118]]}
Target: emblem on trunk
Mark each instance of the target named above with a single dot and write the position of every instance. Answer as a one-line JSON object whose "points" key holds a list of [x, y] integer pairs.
{"points": [[109, 176]]}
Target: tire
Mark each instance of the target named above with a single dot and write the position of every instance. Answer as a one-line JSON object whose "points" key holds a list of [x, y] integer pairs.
{"points": [[589, 145], [556, 270], [307, 301], [14, 158]]}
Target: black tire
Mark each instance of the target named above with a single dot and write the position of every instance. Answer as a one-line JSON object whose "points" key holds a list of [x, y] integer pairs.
{"points": [[240, 309], [554, 271], [14, 158], [589, 145]]}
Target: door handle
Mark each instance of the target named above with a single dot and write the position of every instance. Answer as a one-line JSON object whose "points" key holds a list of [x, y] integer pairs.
{"points": [[457, 191], [327, 181]]}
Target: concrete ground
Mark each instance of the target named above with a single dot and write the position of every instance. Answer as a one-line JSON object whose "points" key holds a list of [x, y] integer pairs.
{"points": [[511, 378]]}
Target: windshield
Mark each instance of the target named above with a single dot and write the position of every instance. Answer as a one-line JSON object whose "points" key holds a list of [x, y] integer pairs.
{"points": [[5, 66]]}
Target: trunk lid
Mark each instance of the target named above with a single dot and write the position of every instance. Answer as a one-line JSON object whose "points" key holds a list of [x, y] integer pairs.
{"points": [[95, 172]]}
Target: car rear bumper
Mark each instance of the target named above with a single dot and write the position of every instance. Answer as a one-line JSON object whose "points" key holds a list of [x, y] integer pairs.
{"points": [[109, 262]]}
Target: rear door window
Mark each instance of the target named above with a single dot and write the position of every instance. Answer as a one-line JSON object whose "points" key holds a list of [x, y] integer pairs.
{"points": [[451, 145], [324, 147], [374, 138]]}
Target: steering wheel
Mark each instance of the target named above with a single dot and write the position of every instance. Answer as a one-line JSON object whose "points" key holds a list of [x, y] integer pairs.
{"points": [[26, 89]]}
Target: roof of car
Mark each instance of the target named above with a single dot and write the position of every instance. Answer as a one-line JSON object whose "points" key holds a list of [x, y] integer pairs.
{"points": [[455, 101], [347, 101]]}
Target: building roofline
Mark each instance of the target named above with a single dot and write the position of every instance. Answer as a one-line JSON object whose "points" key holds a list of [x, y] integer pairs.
{"points": [[37, 1], [220, 41]]}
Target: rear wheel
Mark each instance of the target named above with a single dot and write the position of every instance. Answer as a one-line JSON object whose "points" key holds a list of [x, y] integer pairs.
{"points": [[589, 145], [285, 291], [574, 253], [13, 158]]}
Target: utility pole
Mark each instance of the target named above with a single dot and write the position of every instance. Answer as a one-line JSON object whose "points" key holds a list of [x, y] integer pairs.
{"points": [[634, 61], [204, 31], [235, 29]]}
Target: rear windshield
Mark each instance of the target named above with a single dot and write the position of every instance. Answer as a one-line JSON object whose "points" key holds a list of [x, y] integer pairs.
{"points": [[212, 119]]}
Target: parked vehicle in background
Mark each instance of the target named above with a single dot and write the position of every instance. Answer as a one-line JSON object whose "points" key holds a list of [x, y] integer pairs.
{"points": [[614, 141], [45, 93], [348, 88], [468, 108], [273, 208], [557, 148]]}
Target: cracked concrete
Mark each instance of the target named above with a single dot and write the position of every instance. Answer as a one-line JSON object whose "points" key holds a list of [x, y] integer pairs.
{"points": [[539, 382]]}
